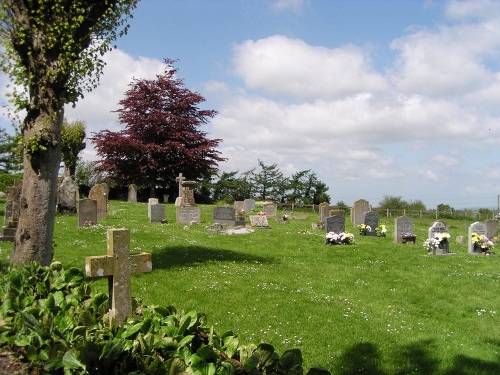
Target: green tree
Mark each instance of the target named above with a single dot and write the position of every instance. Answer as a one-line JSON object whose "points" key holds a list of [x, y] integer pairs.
{"points": [[10, 158], [445, 209], [87, 175], [72, 142], [53, 50], [269, 182], [393, 202], [417, 205]]}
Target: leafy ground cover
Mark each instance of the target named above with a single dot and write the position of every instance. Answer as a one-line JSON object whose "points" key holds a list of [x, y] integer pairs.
{"points": [[372, 307]]}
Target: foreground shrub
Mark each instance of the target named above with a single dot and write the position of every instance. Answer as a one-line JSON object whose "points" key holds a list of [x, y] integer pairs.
{"points": [[51, 320]]}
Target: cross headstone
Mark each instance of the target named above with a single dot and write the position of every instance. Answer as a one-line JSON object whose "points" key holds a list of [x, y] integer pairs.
{"points": [[480, 229], [402, 224], [335, 224], [118, 265], [186, 192], [371, 219]]}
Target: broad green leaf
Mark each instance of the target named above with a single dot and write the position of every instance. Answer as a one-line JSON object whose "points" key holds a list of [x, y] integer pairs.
{"points": [[71, 360], [174, 366]]}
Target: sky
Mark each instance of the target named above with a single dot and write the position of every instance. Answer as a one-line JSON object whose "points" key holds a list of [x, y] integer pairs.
{"points": [[377, 98]]}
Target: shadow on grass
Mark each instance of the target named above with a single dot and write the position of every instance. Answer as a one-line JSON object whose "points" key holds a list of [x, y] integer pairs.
{"points": [[416, 358], [169, 257]]}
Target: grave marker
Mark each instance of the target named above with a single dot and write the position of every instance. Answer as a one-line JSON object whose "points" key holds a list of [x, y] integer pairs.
{"points": [[335, 224], [99, 193], [187, 215], [259, 221], [132, 193], [87, 212], [358, 211], [224, 215], [271, 209], [67, 196], [11, 216], [157, 213], [371, 219], [402, 224], [118, 265], [479, 229], [249, 204], [492, 229], [324, 212], [436, 228], [151, 202]]}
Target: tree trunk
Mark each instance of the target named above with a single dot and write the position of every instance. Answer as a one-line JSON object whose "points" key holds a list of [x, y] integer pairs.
{"points": [[41, 162]]}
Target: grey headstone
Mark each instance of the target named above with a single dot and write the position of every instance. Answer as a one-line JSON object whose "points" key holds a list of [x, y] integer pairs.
{"points": [[67, 196], [371, 219], [480, 229], [132, 193], [224, 215], [492, 228], [157, 213], [87, 212], [402, 224], [187, 215], [151, 202], [271, 209], [335, 224], [358, 211], [239, 206], [435, 228], [324, 212], [249, 204]]}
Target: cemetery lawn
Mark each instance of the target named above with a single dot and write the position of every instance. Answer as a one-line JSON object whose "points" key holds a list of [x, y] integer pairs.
{"points": [[373, 307]]}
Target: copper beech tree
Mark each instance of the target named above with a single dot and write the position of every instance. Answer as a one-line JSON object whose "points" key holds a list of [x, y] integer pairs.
{"points": [[161, 137], [52, 50]]}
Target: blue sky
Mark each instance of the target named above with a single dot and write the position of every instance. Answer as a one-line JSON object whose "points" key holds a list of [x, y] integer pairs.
{"points": [[385, 97]]}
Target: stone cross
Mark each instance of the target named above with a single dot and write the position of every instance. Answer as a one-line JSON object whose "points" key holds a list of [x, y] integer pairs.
{"points": [[180, 179], [117, 266]]}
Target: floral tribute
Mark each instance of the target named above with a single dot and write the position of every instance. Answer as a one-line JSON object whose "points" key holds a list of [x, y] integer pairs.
{"points": [[364, 229], [343, 238], [381, 230], [408, 237], [482, 242], [438, 242]]}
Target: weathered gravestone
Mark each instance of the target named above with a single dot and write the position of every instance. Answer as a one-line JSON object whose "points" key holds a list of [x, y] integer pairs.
{"points": [[337, 213], [187, 215], [87, 212], [132, 193], [224, 215], [239, 206], [271, 209], [371, 219], [151, 202], [67, 196], [99, 193], [118, 265], [157, 213], [11, 216], [402, 224], [436, 228], [335, 224], [358, 211], [481, 230], [259, 221], [491, 229], [324, 212], [186, 192], [249, 204]]}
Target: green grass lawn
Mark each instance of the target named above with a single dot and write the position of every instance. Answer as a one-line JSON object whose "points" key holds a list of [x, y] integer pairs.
{"points": [[373, 307]]}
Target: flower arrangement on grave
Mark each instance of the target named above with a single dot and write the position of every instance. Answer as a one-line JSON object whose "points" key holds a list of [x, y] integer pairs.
{"points": [[408, 237], [262, 213], [343, 238], [481, 241], [381, 230], [364, 229], [241, 212], [285, 217], [437, 242]]}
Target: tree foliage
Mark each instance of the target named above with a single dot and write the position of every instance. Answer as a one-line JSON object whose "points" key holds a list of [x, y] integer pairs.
{"points": [[161, 137], [72, 142], [10, 158], [52, 50]]}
